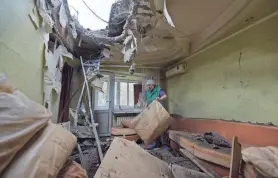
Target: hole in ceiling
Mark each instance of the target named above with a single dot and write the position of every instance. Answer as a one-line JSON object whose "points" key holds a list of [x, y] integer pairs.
{"points": [[83, 11]]}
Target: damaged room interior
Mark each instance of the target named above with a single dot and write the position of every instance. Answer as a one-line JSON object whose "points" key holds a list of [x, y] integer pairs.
{"points": [[139, 89]]}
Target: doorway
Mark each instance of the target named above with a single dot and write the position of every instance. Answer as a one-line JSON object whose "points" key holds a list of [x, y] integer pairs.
{"points": [[104, 105]]}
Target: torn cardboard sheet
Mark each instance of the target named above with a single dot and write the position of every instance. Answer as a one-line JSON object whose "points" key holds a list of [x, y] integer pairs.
{"points": [[125, 159], [20, 119], [150, 123], [44, 155]]}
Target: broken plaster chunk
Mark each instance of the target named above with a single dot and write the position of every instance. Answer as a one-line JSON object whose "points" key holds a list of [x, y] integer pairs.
{"points": [[47, 22], [129, 55], [56, 3], [53, 71], [128, 39], [106, 53], [63, 16], [35, 18], [73, 29]]}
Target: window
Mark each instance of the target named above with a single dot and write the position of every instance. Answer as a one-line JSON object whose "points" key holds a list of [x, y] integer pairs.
{"points": [[124, 94], [131, 94], [102, 98]]}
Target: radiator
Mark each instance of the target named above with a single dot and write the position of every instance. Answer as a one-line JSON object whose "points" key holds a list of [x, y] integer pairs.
{"points": [[117, 121]]}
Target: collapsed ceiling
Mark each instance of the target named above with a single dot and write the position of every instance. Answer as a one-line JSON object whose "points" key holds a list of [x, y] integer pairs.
{"points": [[140, 31]]}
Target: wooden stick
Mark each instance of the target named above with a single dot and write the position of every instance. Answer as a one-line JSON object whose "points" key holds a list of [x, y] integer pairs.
{"points": [[190, 156], [94, 129], [236, 158]]}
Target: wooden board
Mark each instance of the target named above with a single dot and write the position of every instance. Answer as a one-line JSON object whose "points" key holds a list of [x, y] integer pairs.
{"points": [[208, 154], [190, 156], [236, 158], [131, 137], [115, 131], [125, 159]]}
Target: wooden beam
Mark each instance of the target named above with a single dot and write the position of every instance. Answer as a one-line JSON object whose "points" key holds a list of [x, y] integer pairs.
{"points": [[236, 158], [207, 154]]}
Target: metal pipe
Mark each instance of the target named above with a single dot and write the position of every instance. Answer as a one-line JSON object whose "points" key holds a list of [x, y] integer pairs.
{"points": [[124, 66], [91, 112], [81, 155]]}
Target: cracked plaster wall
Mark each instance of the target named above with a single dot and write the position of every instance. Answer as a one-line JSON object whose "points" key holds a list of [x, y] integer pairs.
{"points": [[237, 79], [21, 48]]}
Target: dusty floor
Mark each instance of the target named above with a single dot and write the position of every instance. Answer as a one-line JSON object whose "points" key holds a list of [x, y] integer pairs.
{"points": [[173, 157], [91, 158], [90, 153]]}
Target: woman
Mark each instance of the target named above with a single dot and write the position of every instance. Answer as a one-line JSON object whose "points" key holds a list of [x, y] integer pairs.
{"points": [[156, 93]]}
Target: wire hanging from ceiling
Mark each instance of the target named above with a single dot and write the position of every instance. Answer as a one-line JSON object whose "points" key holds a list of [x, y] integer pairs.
{"points": [[102, 18]]}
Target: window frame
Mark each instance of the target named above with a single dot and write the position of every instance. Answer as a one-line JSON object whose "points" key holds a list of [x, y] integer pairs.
{"points": [[106, 107], [117, 97]]}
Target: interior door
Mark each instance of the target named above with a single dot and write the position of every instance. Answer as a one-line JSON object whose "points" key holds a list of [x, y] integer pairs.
{"points": [[103, 105]]}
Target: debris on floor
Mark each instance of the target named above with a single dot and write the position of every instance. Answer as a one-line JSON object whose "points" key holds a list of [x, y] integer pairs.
{"points": [[182, 172], [210, 173], [66, 154], [172, 157], [199, 147], [127, 159]]}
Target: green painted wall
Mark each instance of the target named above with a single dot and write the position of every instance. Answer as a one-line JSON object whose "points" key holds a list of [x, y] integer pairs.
{"points": [[237, 79], [21, 48]]}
